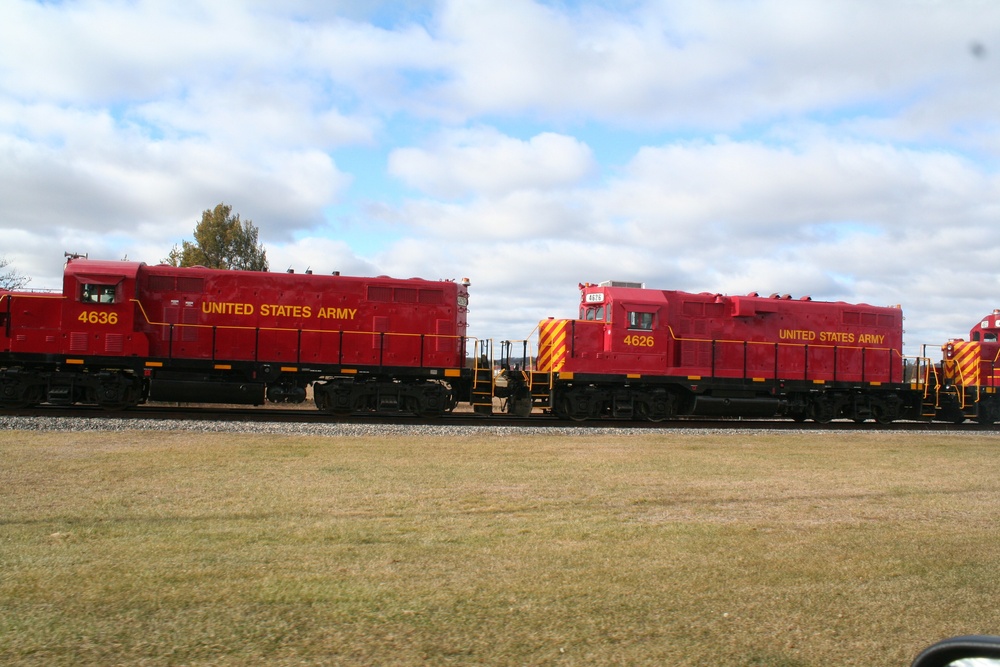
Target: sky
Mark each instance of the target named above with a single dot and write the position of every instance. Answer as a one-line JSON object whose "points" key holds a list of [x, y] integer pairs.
{"points": [[842, 149]]}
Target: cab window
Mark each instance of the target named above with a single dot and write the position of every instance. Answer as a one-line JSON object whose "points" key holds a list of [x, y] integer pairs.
{"points": [[97, 294], [641, 321], [594, 314]]}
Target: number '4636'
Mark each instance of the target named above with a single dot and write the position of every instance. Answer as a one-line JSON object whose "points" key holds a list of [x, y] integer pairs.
{"points": [[98, 317]]}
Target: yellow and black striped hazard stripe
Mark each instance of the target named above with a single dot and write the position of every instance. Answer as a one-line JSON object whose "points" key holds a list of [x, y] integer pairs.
{"points": [[552, 345], [962, 363]]}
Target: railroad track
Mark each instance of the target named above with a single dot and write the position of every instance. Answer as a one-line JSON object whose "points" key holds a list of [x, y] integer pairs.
{"points": [[459, 419]]}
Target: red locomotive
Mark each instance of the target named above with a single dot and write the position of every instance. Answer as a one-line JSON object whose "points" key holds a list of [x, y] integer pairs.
{"points": [[970, 375], [124, 332], [656, 354]]}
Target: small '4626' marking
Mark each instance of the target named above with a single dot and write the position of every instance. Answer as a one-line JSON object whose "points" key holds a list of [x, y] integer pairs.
{"points": [[639, 341]]}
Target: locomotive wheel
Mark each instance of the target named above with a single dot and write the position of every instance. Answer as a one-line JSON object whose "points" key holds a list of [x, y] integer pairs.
{"points": [[823, 410], [12, 396], [16, 394], [656, 406], [882, 415], [571, 403], [886, 409], [118, 392], [333, 398], [429, 404], [567, 411], [653, 417]]}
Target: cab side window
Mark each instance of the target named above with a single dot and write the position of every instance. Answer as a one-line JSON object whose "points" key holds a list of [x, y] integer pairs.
{"points": [[641, 321], [98, 294]]}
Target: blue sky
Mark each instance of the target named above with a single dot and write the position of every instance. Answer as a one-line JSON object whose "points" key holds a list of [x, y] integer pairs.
{"points": [[842, 149]]}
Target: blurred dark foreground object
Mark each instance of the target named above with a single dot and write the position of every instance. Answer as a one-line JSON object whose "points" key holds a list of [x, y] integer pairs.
{"points": [[968, 651]]}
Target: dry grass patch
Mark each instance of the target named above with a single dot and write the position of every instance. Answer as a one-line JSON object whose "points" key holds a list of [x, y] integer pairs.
{"points": [[172, 548]]}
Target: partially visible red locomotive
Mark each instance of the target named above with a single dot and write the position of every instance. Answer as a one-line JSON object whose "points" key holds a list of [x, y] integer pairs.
{"points": [[657, 354], [970, 375], [124, 332]]}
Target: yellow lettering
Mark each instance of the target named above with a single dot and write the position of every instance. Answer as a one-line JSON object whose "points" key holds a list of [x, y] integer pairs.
{"points": [[639, 341], [836, 337], [226, 308], [796, 334], [98, 317], [281, 310], [331, 313]]}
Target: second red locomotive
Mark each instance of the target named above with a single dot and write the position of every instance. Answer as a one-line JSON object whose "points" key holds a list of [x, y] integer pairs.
{"points": [[657, 354]]}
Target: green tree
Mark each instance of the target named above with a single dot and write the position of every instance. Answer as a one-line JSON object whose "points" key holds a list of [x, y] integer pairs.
{"points": [[221, 241], [10, 278]]}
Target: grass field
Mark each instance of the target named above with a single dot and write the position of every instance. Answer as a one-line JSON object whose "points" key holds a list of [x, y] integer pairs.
{"points": [[666, 549]]}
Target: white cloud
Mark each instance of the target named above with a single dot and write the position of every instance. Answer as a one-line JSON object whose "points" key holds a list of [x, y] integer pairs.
{"points": [[320, 255], [695, 64], [80, 170], [785, 192], [485, 162]]}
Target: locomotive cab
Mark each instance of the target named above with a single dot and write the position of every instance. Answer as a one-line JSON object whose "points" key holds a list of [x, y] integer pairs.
{"points": [[621, 326], [76, 347], [98, 308]]}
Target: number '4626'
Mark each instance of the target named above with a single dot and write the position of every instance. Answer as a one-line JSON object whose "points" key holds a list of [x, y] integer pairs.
{"points": [[639, 341], [98, 317]]}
